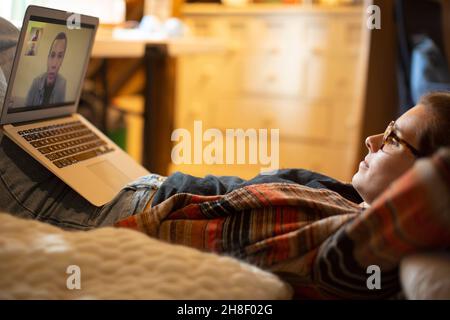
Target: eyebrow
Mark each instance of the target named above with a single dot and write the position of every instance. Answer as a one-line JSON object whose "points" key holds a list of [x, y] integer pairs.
{"points": [[399, 134], [397, 131]]}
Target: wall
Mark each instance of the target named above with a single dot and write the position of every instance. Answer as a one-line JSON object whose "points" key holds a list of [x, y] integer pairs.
{"points": [[381, 98]]}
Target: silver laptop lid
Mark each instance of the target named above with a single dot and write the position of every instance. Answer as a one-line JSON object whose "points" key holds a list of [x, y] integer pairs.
{"points": [[49, 65]]}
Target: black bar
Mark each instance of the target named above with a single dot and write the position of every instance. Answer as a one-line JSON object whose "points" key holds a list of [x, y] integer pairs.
{"points": [[58, 21], [48, 106]]}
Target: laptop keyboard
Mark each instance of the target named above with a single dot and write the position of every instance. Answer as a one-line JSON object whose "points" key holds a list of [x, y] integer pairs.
{"points": [[67, 143]]}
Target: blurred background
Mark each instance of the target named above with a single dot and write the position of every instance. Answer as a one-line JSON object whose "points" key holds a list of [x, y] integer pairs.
{"points": [[313, 69]]}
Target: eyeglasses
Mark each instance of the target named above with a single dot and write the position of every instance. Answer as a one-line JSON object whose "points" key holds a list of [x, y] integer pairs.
{"points": [[390, 138]]}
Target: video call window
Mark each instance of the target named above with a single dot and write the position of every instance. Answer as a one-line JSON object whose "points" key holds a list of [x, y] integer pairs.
{"points": [[51, 63], [33, 41]]}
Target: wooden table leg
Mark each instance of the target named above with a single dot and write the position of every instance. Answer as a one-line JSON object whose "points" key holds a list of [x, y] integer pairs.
{"points": [[158, 108], [104, 78]]}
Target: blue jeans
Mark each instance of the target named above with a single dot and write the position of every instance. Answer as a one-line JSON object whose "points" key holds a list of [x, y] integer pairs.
{"points": [[29, 190]]}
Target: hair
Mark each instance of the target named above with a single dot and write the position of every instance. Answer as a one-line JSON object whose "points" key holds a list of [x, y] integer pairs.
{"points": [[437, 134], [59, 36]]}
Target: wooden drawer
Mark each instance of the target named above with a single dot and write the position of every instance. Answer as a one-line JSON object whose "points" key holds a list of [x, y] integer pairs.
{"points": [[236, 31], [298, 155], [316, 77], [269, 32], [318, 34], [274, 73], [196, 109], [330, 160], [291, 117], [243, 113], [344, 125], [344, 76], [203, 27], [239, 32], [214, 75], [300, 119], [197, 75], [349, 34]]}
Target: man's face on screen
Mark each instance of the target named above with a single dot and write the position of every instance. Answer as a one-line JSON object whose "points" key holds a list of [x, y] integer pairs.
{"points": [[55, 59]]}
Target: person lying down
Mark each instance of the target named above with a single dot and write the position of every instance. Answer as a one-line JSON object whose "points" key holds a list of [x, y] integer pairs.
{"points": [[299, 226], [317, 233], [323, 245], [321, 242]]}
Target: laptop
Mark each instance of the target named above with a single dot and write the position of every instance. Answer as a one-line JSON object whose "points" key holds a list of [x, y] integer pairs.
{"points": [[40, 107]]}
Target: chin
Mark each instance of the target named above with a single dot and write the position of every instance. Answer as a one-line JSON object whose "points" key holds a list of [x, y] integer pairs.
{"points": [[356, 177], [358, 183]]}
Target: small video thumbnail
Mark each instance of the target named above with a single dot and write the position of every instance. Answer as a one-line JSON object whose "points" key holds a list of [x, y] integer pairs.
{"points": [[33, 41]]}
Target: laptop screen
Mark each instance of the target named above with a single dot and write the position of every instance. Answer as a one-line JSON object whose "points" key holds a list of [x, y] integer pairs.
{"points": [[51, 64]]}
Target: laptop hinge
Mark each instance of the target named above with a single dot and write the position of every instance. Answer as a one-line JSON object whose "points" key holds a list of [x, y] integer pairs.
{"points": [[18, 124]]}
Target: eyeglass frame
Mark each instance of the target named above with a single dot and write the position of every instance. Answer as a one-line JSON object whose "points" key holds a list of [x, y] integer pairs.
{"points": [[390, 132]]}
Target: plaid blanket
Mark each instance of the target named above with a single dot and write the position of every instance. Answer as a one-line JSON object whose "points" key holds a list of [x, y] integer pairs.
{"points": [[314, 239]]}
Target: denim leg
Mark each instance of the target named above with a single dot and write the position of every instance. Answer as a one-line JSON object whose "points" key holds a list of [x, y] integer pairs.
{"points": [[29, 190], [132, 199]]}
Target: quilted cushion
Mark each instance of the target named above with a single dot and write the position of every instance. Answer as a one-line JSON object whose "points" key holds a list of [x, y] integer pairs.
{"points": [[119, 264]]}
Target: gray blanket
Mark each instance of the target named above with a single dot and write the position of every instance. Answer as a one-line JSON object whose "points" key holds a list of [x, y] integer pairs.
{"points": [[9, 36], [8, 41]]}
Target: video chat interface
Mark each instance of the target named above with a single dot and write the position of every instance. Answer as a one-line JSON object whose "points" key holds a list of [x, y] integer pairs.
{"points": [[50, 66]]}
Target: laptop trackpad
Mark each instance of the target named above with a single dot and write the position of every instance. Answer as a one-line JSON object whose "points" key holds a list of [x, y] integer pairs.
{"points": [[110, 174]]}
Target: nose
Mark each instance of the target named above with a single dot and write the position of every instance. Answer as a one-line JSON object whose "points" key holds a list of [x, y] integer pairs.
{"points": [[373, 143]]}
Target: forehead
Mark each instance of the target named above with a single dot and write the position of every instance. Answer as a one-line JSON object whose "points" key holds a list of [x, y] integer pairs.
{"points": [[59, 45], [411, 124]]}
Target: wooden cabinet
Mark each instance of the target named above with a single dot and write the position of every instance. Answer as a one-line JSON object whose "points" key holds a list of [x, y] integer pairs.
{"points": [[299, 69]]}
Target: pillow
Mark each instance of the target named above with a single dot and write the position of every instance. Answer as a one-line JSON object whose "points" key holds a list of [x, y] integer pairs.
{"points": [[426, 276], [39, 261]]}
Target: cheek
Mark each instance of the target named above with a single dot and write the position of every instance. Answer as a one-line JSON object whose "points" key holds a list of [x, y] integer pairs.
{"points": [[389, 168]]}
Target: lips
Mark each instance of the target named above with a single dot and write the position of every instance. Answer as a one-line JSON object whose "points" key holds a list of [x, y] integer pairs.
{"points": [[364, 164]]}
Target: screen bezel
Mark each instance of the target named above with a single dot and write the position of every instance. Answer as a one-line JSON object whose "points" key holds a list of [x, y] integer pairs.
{"points": [[50, 112]]}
